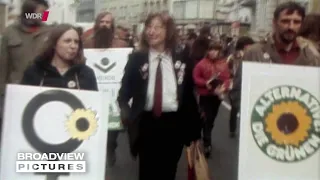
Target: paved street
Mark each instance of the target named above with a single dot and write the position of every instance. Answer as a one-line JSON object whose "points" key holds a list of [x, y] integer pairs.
{"points": [[223, 164]]}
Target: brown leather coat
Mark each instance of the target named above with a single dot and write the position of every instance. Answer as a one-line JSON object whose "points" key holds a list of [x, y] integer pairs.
{"points": [[265, 52], [18, 50]]}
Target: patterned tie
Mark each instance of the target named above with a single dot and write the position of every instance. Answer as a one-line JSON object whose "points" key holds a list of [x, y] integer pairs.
{"points": [[157, 103]]}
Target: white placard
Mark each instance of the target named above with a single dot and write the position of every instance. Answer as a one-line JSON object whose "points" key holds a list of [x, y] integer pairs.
{"points": [[280, 123], [40, 119], [108, 65]]}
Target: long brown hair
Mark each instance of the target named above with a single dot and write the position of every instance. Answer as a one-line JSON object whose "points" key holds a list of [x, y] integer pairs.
{"points": [[98, 19], [171, 32], [49, 50], [103, 37], [310, 27]]}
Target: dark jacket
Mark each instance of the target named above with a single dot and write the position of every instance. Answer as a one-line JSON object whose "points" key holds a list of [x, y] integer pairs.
{"points": [[199, 48], [134, 85], [42, 73]]}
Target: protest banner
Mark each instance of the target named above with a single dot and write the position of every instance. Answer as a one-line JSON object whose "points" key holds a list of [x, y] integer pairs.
{"points": [[108, 65], [51, 134], [280, 122]]}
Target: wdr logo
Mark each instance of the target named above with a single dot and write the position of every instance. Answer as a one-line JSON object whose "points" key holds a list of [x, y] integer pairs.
{"points": [[43, 16]]}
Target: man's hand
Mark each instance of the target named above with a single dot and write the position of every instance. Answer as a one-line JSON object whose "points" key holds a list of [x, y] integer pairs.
{"points": [[208, 85]]}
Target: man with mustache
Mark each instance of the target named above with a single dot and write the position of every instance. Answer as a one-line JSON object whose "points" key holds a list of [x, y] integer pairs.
{"points": [[103, 34], [21, 42], [283, 46]]}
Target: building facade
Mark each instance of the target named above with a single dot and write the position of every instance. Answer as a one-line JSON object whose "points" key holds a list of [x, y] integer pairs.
{"points": [[234, 17], [126, 12], [3, 17], [85, 11], [314, 6], [255, 15], [12, 10], [150, 6], [62, 11], [193, 11], [190, 15], [130, 13]]}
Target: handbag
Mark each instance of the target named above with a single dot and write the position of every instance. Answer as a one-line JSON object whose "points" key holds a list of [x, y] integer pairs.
{"points": [[197, 163], [201, 165], [190, 158]]}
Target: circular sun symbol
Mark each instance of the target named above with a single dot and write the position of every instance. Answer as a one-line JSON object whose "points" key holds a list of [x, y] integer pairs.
{"points": [[288, 123], [82, 124]]}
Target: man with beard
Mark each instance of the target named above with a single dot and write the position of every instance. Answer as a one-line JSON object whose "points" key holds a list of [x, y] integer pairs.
{"points": [[103, 36], [20, 44], [281, 47]]}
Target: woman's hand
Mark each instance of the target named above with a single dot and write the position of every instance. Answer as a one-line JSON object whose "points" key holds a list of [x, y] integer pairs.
{"points": [[195, 143], [208, 85], [219, 91]]}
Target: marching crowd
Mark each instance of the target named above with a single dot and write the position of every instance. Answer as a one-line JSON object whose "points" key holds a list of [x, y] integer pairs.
{"points": [[176, 84]]}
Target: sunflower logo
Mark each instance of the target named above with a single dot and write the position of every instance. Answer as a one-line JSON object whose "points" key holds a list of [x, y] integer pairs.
{"points": [[82, 124], [283, 123], [288, 123]]}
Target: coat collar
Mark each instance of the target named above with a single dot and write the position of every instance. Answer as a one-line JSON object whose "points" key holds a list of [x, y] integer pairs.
{"points": [[168, 55], [145, 55], [269, 50], [178, 65], [299, 42], [43, 28]]}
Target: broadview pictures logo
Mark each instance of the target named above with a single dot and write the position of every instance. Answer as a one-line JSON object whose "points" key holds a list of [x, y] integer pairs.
{"points": [[43, 16]]}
